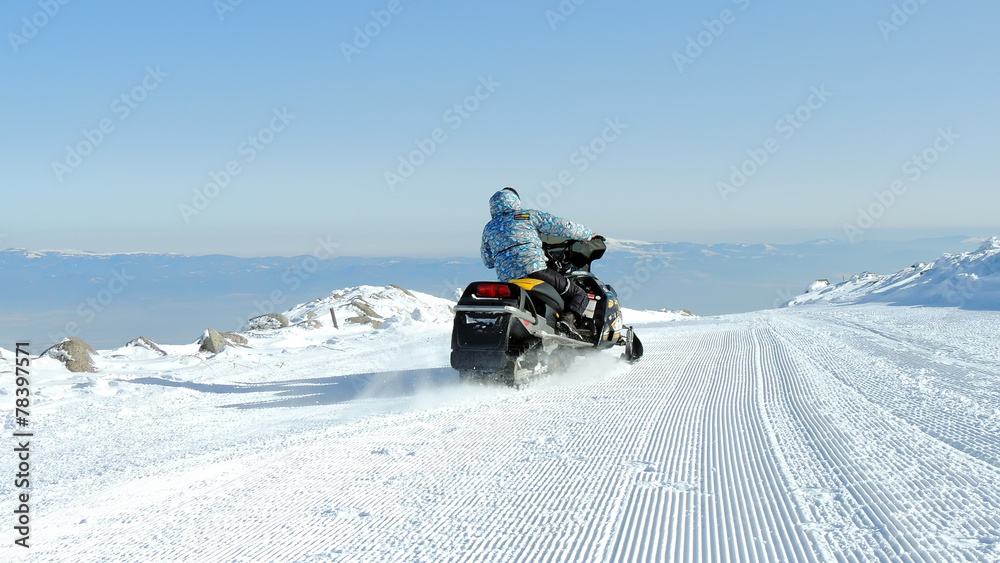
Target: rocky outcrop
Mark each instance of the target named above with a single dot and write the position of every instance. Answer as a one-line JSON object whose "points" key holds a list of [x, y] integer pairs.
{"points": [[680, 312], [270, 321], [311, 321], [371, 306], [365, 320], [214, 341], [368, 315], [74, 353], [403, 289], [365, 308], [143, 342]]}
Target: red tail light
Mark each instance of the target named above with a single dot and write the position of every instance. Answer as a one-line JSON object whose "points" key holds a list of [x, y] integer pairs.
{"points": [[493, 290]]}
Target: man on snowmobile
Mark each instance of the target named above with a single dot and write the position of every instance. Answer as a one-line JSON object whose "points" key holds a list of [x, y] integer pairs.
{"points": [[512, 245]]}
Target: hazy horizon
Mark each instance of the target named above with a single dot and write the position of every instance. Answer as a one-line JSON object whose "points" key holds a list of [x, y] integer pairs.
{"points": [[470, 248]]}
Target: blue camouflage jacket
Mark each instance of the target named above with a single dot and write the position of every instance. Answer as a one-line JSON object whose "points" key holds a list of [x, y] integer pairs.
{"points": [[510, 240]]}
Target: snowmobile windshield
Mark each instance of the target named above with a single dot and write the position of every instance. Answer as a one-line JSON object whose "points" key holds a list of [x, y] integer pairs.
{"points": [[578, 253]]}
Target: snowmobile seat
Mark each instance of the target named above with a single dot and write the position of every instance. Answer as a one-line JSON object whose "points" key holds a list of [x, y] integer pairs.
{"points": [[543, 291]]}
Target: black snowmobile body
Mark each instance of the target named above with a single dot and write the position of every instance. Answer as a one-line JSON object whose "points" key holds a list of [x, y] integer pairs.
{"points": [[506, 331]]}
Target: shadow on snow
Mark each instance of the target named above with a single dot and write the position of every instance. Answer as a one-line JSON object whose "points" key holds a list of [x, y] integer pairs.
{"points": [[325, 390]]}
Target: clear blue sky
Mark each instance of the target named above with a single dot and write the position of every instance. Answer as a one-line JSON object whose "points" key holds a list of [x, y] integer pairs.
{"points": [[209, 79]]}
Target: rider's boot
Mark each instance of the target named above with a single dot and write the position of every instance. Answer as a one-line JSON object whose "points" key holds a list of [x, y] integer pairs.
{"points": [[567, 324]]}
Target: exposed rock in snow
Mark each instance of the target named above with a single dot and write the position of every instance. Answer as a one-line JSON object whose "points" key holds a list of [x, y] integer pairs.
{"points": [[365, 320], [372, 306], [270, 321], [214, 341], [681, 313], [147, 344], [403, 289], [74, 353], [635, 316]]}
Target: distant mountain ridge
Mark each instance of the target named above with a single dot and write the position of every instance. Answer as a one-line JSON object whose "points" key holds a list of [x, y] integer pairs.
{"points": [[969, 280], [111, 298]]}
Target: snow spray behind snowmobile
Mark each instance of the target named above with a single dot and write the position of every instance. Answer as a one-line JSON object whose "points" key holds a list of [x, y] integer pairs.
{"points": [[507, 332]]}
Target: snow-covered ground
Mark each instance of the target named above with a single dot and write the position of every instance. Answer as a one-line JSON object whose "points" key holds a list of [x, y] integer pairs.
{"points": [[863, 432]]}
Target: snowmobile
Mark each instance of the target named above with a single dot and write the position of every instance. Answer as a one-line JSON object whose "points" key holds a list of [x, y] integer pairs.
{"points": [[506, 332]]}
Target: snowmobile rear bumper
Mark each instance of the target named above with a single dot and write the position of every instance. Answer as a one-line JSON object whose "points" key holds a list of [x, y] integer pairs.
{"points": [[486, 361]]}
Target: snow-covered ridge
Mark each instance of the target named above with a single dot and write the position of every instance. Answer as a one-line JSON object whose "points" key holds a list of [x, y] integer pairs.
{"points": [[636, 316], [375, 306], [378, 329], [70, 252], [365, 320], [970, 280]]}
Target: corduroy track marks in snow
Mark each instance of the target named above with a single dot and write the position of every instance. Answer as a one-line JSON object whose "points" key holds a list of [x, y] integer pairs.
{"points": [[882, 487], [714, 490], [797, 435]]}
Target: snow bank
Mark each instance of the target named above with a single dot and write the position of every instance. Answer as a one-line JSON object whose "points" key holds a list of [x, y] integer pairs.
{"points": [[638, 316], [374, 306], [969, 280]]}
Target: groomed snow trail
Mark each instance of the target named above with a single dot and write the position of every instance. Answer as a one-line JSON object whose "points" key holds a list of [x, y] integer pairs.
{"points": [[818, 434], [713, 487]]}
